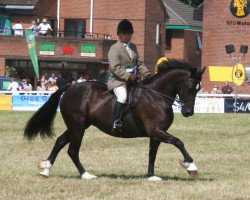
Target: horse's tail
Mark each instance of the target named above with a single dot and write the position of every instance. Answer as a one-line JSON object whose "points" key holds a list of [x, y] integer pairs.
{"points": [[42, 120]]}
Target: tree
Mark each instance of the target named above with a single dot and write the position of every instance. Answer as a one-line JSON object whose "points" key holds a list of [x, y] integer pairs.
{"points": [[194, 3]]}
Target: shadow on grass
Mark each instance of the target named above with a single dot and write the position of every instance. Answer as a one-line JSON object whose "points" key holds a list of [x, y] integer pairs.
{"points": [[138, 177]]}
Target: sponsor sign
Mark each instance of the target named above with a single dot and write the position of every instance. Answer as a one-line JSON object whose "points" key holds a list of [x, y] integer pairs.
{"points": [[242, 106], [28, 102], [239, 74], [5, 102], [240, 8], [205, 105], [47, 48], [88, 50], [220, 73]]}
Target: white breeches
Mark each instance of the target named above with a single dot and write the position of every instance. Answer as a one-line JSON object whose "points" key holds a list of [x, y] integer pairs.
{"points": [[121, 93]]}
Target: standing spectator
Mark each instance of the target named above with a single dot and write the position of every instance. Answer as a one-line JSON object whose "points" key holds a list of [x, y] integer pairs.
{"points": [[227, 89], [44, 28], [215, 90], [34, 27], [13, 86], [53, 78], [18, 28], [61, 80]]}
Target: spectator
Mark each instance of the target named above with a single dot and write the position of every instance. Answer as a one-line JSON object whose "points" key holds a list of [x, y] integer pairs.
{"points": [[81, 79], [44, 28], [18, 28], [34, 27], [227, 89], [215, 90], [25, 85], [61, 80], [53, 78], [13, 86], [52, 86]]}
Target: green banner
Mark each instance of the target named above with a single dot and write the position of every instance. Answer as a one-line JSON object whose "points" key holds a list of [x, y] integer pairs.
{"points": [[47, 48], [88, 50], [31, 41]]}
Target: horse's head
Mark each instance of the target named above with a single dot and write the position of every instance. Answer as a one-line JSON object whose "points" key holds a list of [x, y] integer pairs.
{"points": [[187, 90]]}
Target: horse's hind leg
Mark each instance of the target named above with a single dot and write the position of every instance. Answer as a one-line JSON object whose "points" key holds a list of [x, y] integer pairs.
{"points": [[73, 151], [60, 143]]}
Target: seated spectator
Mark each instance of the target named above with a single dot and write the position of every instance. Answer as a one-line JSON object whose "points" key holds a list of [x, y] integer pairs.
{"points": [[52, 86], [18, 28], [13, 86], [81, 79], [44, 28], [25, 85], [227, 89], [215, 90]]}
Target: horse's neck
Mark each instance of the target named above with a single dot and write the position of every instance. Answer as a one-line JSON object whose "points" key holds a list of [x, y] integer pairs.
{"points": [[166, 82]]}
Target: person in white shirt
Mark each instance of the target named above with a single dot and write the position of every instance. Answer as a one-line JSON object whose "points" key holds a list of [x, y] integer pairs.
{"points": [[44, 28], [52, 79], [18, 28], [13, 86]]}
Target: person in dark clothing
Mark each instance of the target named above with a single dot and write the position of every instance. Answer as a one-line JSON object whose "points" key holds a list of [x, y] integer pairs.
{"points": [[61, 81], [227, 89]]}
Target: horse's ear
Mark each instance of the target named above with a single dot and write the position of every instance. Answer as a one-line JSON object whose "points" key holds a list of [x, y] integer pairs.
{"points": [[203, 70]]}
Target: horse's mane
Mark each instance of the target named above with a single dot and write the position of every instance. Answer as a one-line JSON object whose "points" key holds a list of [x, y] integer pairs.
{"points": [[174, 64]]}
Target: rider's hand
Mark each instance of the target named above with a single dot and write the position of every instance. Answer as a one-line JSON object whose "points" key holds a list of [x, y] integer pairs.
{"points": [[131, 77]]}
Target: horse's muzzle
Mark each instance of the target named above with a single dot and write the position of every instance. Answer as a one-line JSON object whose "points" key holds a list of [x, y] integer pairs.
{"points": [[187, 112]]}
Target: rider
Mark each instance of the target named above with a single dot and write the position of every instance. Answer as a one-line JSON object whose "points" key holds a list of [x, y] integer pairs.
{"points": [[123, 58]]}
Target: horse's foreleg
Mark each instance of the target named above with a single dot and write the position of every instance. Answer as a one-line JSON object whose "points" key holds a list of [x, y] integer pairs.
{"points": [[153, 148], [188, 160], [73, 152], [60, 143]]}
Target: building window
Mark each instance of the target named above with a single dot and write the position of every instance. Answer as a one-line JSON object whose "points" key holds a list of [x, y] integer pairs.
{"points": [[199, 41], [75, 28], [169, 34]]}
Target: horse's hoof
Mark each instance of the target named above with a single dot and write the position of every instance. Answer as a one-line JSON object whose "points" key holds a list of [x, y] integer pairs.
{"points": [[154, 178], [193, 173], [88, 176], [43, 175]]}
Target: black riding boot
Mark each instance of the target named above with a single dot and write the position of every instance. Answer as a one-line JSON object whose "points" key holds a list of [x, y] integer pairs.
{"points": [[117, 126]]}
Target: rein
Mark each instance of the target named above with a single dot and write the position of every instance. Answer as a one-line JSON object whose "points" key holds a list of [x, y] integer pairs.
{"points": [[171, 100]]}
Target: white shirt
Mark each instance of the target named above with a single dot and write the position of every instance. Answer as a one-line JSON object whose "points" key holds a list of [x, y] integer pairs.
{"points": [[18, 29], [128, 49], [13, 86], [43, 28]]}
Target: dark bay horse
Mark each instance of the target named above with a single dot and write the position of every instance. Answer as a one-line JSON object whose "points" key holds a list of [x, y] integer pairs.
{"points": [[88, 104]]}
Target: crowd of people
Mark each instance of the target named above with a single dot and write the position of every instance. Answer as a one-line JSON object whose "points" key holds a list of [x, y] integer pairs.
{"points": [[51, 83], [226, 89], [42, 29]]}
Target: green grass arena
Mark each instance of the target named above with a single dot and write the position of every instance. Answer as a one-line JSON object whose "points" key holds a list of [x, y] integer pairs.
{"points": [[218, 143]]}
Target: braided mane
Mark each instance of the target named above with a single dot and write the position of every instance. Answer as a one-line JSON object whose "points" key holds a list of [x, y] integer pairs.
{"points": [[174, 64]]}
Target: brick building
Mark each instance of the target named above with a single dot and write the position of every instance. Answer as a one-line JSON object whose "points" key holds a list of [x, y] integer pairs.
{"points": [[221, 26], [77, 24]]}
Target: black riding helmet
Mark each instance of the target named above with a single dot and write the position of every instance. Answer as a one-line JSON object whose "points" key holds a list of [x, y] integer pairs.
{"points": [[125, 26]]}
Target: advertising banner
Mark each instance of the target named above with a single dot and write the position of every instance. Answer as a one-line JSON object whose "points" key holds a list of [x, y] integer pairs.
{"points": [[5, 102], [242, 106], [88, 50], [204, 105], [47, 48], [28, 102], [31, 41]]}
